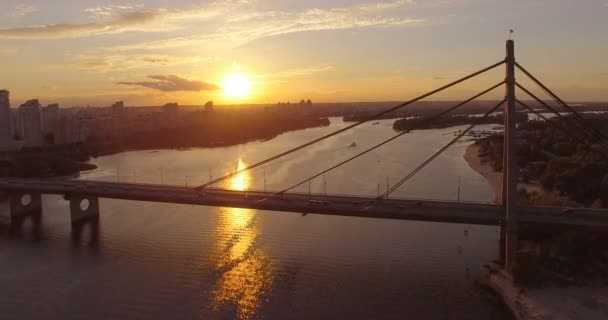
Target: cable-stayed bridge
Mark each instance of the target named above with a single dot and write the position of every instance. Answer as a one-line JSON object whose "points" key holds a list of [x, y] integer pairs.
{"points": [[508, 214]]}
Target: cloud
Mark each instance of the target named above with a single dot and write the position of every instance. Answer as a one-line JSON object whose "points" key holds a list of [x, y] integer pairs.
{"points": [[124, 23], [22, 10], [117, 19], [338, 18], [241, 28], [170, 83], [233, 21], [162, 61], [291, 73], [120, 62], [8, 50], [112, 10]]}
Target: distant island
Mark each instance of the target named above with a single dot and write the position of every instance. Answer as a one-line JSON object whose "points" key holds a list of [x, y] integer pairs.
{"points": [[37, 141], [204, 130], [354, 112], [413, 123], [53, 161], [216, 130]]}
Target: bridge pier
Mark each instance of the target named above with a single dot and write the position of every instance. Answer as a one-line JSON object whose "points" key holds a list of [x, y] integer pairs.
{"points": [[24, 204], [83, 208], [502, 243], [509, 167]]}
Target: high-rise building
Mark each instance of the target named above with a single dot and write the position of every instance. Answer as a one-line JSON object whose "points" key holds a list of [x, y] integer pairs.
{"points": [[209, 106], [6, 136], [31, 123], [170, 115], [50, 119], [118, 108]]}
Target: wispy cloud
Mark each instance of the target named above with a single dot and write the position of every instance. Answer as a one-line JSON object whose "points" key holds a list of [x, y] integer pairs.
{"points": [[116, 19], [120, 62], [132, 21], [276, 23], [22, 10], [243, 27], [106, 11], [8, 50], [170, 83], [234, 21], [283, 75]]}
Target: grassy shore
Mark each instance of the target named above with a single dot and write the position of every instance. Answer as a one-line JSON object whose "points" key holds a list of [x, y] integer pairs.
{"points": [[572, 299]]}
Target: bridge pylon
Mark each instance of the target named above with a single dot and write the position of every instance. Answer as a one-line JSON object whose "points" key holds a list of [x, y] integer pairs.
{"points": [[510, 170]]}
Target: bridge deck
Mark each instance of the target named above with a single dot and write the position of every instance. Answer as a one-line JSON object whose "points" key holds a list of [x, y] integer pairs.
{"points": [[354, 206]]}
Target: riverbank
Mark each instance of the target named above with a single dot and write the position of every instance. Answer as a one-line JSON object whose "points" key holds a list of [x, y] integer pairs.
{"points": [[551, 303], [535, 193], [471, 156], [43, 164], [582, 300], [215, 131]]}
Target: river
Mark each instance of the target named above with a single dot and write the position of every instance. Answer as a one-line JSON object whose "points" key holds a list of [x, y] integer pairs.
{"points": [[164, 261]]}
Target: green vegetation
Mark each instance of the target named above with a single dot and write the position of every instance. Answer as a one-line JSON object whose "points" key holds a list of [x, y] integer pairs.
{"points": [[421, 122], [211, 130], [561, 256], [556, 160], [45, 162]]}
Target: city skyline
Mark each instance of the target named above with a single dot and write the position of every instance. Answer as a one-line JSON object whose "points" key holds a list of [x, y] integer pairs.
{"points": [[148, 53]]}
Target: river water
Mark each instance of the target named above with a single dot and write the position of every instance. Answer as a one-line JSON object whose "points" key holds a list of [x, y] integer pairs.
{"points": [[164, 261]]}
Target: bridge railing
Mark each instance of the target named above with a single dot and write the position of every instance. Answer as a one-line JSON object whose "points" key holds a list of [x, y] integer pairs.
{"points": [[299, 193]]}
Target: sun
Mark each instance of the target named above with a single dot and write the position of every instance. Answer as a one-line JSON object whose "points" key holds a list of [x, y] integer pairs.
{"points": [[236, 86]]}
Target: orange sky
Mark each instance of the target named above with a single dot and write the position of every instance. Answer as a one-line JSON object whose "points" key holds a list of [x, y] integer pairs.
{"points": [[151, 52]]}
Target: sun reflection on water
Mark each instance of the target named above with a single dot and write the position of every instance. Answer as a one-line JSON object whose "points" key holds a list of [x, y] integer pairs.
{"points": [[241, 182], [244, 268]]}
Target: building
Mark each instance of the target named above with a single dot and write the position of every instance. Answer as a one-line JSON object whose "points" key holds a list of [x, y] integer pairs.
{"points": [[209, 106], [170, 115], [171, 108], [118, 108], [50, 119], [31, 124], [6, 134], [70, 130]]}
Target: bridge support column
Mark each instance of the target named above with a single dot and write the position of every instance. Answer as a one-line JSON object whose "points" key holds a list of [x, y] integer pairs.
{"points": [[509, 192], [502, 243], [23, 204], [83, 208]]}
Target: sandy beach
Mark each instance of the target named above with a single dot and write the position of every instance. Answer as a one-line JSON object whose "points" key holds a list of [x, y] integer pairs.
{"points": [[551, 303], [543, 196], [547, 303], [494, 178]]}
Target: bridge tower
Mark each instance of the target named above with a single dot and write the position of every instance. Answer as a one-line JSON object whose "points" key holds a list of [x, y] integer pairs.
{"points": [[510, 174]]}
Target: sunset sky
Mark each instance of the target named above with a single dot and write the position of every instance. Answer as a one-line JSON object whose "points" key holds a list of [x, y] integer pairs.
{"points": [[93, 52]]}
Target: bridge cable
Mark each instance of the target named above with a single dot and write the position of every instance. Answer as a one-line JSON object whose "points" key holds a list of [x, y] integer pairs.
{"points": [[568, 107], [424, 121], [429, 160], [562, 127], [568, 120], [371, 118]]}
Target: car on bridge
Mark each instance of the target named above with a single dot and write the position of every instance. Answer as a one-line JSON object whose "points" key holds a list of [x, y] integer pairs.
{"points": [[319, 202]]}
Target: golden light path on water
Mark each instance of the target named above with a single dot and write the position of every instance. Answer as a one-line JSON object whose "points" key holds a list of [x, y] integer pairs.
{"points": [[245, 268]]}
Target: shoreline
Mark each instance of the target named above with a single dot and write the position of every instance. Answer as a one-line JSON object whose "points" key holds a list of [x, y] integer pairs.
{"points": [[549, 303], [542, 196], [471, 156], [545, 303], [101, 150]]}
